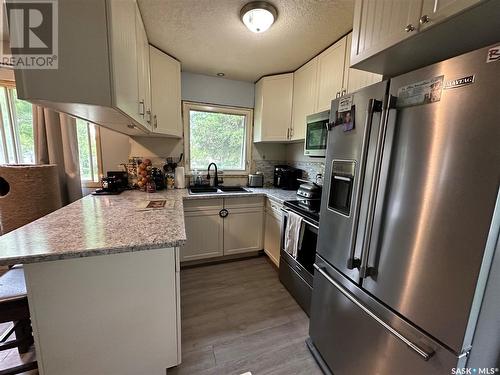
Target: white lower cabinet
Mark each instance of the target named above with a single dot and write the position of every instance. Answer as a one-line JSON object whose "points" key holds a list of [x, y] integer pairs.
{"points": [[272, 231], [217, 227], [243, 230], [204, 229]]}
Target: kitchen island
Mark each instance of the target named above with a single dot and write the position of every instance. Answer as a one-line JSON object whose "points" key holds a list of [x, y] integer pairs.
{"points": [[102, 277]]}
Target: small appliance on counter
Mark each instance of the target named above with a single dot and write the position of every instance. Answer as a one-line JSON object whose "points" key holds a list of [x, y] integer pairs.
{"points": [[316, 134], [309, 189], [256, 180], [286, 177], [109, 186], [121, 178]]}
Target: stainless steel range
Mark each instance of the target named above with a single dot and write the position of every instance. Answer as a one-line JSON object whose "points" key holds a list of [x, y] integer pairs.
{"points": [[296, 271]]}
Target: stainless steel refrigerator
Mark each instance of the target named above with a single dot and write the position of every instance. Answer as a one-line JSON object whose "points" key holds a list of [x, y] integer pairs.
{"points": [[410, 222]]}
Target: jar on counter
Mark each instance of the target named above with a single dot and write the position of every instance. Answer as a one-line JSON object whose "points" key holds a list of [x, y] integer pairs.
{"points": [[170, 181]]}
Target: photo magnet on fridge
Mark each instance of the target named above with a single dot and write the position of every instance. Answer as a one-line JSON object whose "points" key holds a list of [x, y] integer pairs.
{"points": [[345, 118]]}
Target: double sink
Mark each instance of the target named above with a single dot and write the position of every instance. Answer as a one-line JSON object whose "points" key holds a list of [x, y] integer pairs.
{"points": [[217, 190]]}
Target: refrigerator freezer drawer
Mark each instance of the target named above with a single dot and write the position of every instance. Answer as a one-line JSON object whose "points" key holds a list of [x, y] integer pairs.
{"points": [[353, 338]]}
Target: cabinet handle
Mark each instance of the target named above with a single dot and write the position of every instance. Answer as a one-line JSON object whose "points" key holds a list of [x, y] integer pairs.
{"points": [[148, 112], [155, 122], [288, 133], [141, 107], [344, 91], [223, 213], [409, 28], [337, 95], [424, 19]]}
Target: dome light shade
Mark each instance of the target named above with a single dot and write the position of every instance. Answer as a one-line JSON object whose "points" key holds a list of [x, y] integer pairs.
{"points": [[258, 16]]}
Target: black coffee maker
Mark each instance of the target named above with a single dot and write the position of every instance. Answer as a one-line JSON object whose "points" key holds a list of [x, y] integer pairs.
{"points": [[285, 177]]}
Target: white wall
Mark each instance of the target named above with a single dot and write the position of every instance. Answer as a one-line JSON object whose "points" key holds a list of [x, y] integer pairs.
{"points": [[115, 149], [215, 90]]}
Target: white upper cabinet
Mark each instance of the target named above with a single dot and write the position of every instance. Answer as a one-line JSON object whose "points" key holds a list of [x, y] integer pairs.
{"points": [[435, 11], [330, 74], [273, 108], [165, 93], [143, 70], [123, 45], [379, 24], [103, 73], [305, 93], [355, 79], [392, 37]]}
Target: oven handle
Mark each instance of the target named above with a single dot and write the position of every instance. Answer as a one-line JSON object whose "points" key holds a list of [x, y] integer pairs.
{"points": [[373, 106], [426, 355], [303, 219]]}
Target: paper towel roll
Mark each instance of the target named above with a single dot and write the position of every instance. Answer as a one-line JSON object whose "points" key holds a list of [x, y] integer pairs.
{"points": [[180, 182]]}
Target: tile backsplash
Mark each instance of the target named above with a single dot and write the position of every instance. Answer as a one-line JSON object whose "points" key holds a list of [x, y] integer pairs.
{"points": [[310, 168]]}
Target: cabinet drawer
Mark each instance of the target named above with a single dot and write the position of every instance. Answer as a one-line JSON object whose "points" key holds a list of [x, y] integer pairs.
{"points": [[203, 204], [244, 202], [274, 208]]}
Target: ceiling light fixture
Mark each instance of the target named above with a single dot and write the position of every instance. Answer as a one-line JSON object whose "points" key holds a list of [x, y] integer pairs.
{"points": [[221, 74], [258, 16]]}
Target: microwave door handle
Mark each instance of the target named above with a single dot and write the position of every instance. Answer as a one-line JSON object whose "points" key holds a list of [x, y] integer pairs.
{"points": [[373, 106], [374, 217]]}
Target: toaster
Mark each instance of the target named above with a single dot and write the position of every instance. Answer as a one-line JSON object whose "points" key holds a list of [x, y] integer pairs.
{"points": [[256, 180]]}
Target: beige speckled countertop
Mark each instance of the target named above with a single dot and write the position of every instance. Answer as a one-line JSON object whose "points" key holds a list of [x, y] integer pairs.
{"points": [[100, 225]]}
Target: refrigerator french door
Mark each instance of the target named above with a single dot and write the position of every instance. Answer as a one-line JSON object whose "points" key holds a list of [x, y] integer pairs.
{"points": [[402, 271]]}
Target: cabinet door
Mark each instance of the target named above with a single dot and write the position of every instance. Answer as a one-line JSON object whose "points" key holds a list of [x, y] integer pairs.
{"points": [[330, 74], [435, 11], [143, 74], [355, 79], [273, 108], [204, 232], [124, 59], [379, 24], [243, 230], [305, 91], [272, 237], [165, 93]]}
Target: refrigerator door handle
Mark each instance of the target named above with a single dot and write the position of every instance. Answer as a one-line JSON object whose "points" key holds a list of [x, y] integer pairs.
{"points": [[425, 354], [366, 270], [373, 106]]}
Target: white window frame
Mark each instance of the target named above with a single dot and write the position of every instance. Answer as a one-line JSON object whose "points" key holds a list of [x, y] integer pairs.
{"points": [[13, 127], [91, 183], [247, 112]]}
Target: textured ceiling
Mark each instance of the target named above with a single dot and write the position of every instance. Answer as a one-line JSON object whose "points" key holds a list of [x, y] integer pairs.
{"points": [[208, 37]]}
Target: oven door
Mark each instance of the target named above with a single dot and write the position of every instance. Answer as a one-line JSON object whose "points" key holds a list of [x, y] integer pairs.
{"points": [[306, 248], [296, 274], [316, 134]]}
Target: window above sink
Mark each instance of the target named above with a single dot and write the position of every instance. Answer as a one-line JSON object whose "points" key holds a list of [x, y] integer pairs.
{"points": [[217, 134]]}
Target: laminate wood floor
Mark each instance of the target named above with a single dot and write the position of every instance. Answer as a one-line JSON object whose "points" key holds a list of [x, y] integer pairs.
{"points": [[10, 358], [237, 317]]}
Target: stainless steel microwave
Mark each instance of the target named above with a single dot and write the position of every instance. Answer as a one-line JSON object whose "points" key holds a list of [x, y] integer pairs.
{"points": [[316, 134]]}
